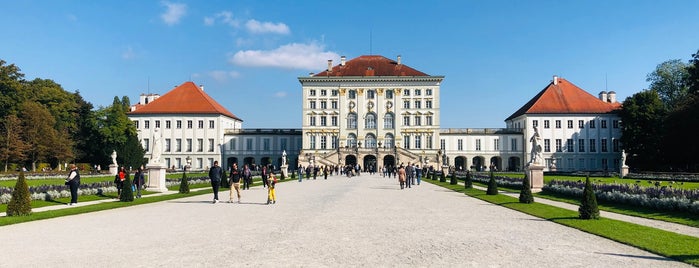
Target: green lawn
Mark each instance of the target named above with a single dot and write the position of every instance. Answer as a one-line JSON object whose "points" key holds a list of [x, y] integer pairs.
{"points": [[672, 245]]}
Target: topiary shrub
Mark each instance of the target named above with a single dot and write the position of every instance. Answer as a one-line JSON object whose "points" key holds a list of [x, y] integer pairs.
{"points": [[468, 182], [492, 185], [293, 176], [525, 196], [453, 180], [21, 201], [224, 180], [126, 191], [588, 207], [442, 177], [184, 185]]}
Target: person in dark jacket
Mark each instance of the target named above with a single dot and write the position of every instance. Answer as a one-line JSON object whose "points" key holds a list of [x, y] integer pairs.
{"points": [[73, 181], [215, 174]]}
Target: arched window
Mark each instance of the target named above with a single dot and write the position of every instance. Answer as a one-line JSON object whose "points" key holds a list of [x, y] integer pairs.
{"points": [[388, 121], [352, 140], [388, 140], [370, 140], [370, 121], [352, 121]]}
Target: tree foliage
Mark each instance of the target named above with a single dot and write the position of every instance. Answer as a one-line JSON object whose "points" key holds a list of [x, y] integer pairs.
{"points": [[468, 182], [588, 206], [20, 202], [643, 117], [492, 185], [184, 185], [525, 195], [669, 80], [12, 146], [126, 191]]}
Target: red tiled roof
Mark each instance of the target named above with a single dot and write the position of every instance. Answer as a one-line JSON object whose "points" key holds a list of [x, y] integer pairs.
{"points": [[186, 98], [565, 98], [371, 65]]}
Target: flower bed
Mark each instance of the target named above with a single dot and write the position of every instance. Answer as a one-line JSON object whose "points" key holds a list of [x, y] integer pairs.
{"points": [[507, 182], [661, 198]]}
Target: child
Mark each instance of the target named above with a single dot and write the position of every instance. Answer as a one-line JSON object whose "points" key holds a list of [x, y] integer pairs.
{"points": [[271, 183]]}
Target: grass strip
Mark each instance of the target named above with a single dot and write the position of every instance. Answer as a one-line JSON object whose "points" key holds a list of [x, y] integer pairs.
{"points": [[680, 247]]}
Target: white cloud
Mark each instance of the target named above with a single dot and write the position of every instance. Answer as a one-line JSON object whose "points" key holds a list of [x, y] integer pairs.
{"points": [[266, 27], [128, 54], [173, 12], [225, 17], [292, 56], [222, 76], [280, 94]]}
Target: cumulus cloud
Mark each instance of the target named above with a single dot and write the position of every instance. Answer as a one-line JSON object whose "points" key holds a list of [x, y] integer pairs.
{"points": [[225, 17], [266, 27], [222, 76], [173, 12], [292, 56]]}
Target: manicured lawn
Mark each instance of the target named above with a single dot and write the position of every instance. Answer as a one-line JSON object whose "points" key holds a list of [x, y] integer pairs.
{"points": [[672, 245]]}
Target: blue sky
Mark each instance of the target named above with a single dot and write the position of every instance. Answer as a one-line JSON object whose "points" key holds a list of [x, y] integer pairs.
{"points": [[495, 55]]}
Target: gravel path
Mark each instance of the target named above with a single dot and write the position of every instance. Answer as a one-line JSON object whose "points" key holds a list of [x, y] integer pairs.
{"points": [[363, 221]]}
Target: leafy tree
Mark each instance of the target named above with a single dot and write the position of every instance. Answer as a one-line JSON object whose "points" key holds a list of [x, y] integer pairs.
{"points": [[11, 80], [184, 185], [87, 140], [669, 79], [224, 180], [126, 191], [693, 74], [21, 202], [468, 182], [643, 130], [131, 152], [588, 207], [38, 130], [492, 185], [681, 122], [12, 146], [526, 196]]}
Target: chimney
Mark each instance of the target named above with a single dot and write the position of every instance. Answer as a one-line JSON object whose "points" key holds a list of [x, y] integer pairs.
{"points": [[398, 60], [310, 74], [202, 87], [555, 80], [603, 96], [330, 65], [611, 97], [342, 61]]}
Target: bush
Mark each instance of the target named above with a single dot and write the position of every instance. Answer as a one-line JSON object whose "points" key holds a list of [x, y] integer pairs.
{"points": [[184, 185], [126, 192], [224, 180], [525, 196], [492, 185], [293, 175], [453, 180], [20, 203], [442, 177], [468, 182], [434, 175], [588, 207]]}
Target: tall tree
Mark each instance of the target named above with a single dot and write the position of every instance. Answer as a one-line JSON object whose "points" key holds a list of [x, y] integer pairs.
{"points": [[669, 79], [643, 130], [12, 147], [10, 83], [38, 130], [682, 121]]}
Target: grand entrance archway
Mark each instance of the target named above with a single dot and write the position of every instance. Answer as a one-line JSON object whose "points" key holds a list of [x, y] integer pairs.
{"points": [[389, 161], [513, 164], [351, 160], [478, 163], [496, 163], [369, 163], [460, 163]]}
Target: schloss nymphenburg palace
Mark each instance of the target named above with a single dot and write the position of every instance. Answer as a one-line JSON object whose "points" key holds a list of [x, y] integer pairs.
{"points": [[374, 111]]}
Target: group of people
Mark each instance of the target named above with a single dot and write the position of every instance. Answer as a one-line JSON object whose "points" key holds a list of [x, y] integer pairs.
{"points": [[237, 176], [407, 175], [136, 184]]}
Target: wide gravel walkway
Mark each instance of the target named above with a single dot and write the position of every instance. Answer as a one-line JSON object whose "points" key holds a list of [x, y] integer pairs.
{"points": [[341, 222]]}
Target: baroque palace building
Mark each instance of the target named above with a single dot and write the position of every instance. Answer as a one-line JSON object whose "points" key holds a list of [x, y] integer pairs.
{"points": [[375, 112]]}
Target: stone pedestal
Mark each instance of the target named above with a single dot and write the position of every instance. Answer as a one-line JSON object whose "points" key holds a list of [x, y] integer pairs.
{"points": [[285, 171], [113, 169], [624, 171], [536, 175], [156, 178], [445, 170]]}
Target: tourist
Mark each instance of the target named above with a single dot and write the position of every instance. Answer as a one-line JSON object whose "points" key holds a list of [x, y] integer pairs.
{"points": [[408, 175], [215, 174], [235, 182], [401, 176], [271, 184], [418, 173], [300, 173], [247, 177], [264, 176], [73, 181], [119, 180], [326, 169], [138, 181]]}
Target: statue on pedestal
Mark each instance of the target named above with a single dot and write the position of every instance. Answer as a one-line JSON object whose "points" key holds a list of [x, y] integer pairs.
{"points": [[284, 158], [157, 147], [536, 147], [114, 157], [623, 158]]}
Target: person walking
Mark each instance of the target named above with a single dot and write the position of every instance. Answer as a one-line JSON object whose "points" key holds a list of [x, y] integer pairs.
{"points": [[299, 170], [418, 172], [235, 182], [138, 180], [271, 185], [215, 174], [408, 175], [73, 181], [264, 176], [247, 177], [401, 176], [326, 169], [119, 181]]}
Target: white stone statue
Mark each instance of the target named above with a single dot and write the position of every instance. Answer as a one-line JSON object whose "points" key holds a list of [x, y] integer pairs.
{"points": [[284, 158], [114, 156], [623, 157], [536, 147], [157, 147]]}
